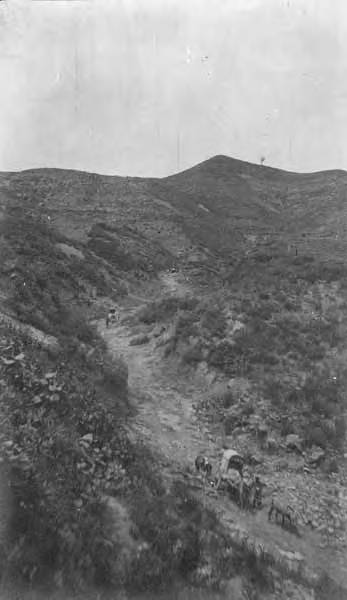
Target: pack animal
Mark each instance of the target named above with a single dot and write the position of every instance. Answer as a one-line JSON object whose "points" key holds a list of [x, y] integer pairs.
{"points": [[284, 510], [112, 317], [203, 465]]}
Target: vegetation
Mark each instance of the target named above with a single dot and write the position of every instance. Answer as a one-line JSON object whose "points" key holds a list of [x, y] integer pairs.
{"points": [[88, 505], [91, 506]]}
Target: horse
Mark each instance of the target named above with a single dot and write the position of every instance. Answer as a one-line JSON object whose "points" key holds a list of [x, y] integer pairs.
{"points": [[112, 317], [284, 510], [203, 465]]}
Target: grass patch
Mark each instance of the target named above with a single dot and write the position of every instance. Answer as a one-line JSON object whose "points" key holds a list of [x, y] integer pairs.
{"points": [[164, 309], [139, 340]]}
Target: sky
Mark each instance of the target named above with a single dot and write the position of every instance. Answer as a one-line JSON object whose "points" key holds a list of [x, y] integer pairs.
{"points": [[151, 87]]}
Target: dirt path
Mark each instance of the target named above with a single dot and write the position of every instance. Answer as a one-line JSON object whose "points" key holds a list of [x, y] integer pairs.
{"points": [[166, 419]]}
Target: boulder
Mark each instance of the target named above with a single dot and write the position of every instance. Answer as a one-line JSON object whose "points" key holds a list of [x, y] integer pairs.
{"points": [[272, 444], [234, 588], [316, 456], [211, 377], [255, 459], [282, 465], [158, 330], [294, 442], [88, 438]]}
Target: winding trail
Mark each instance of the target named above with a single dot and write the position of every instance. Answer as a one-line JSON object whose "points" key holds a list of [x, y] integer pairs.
{"points": [[166, 420]]}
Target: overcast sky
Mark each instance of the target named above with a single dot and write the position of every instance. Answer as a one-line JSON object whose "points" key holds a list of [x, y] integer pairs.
{"points": [[149, 87]]}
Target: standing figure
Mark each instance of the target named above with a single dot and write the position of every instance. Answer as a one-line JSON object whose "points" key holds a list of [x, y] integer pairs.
{"points": [[203, 465], [112, 317], [258, 493]]}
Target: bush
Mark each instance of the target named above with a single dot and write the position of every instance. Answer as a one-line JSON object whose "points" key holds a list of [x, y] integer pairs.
{"points": [[165, 309], [214, 322], [223, 357], [139, 340], [330, 465], [192, 354], [67, 449], [222, 396], [315, 436], [185, 326], [57, 480]]}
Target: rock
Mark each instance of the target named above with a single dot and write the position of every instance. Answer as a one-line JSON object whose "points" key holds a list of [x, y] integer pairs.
{"points": [[88, 437], [158, 330], [203, 367], [294, 442], [263, 429], [234, 588], [211, 377], [316, 456], [282, 464], [272, 444], [255, 459], [237, 431]]}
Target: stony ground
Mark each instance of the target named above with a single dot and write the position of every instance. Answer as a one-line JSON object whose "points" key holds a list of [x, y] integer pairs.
{"points": [[168, 419]]}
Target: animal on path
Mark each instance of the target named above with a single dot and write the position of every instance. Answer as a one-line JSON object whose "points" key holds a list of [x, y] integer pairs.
{"points": [[257, 497], [203, 465], [284, 510], [112, 317], [251, 492], [231, 460]]}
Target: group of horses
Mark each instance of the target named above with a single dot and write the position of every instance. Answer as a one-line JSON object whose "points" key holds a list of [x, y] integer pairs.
{"points": [[244, 488]]}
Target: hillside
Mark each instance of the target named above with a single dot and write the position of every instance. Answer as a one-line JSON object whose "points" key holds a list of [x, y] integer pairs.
{"points": [[247, 331], [217, 204]]}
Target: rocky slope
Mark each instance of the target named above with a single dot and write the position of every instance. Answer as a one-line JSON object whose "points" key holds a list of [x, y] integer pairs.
{"points": [[247, 335]]}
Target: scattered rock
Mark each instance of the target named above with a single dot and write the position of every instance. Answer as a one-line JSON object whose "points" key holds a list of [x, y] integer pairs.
{"points": [[316, 456], [70, 250], [294, 442], [237, 431], [234, 588], [203, 367], [88, 437], [255, 459], [272, 444], [211, 377], [282, 464]]}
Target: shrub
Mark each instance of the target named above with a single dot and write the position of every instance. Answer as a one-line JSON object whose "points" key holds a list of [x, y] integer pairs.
{"points": [[185, 325], [222, 396], [315, 436], [139, 340], [286, 427], [340, 431], [330, 465], [68, 448], [165, 308], [229, 424], [247, 409], [223, 357], [214, 321], [192, 354]]}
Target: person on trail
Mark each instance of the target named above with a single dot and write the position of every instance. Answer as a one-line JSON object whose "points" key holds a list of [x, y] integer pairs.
{"points": [[258, 492], [247, 489], [203, 465], [112, 317]]}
